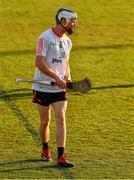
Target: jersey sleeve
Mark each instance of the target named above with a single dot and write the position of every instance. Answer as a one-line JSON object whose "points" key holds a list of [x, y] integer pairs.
{"points": [[42, 46]]}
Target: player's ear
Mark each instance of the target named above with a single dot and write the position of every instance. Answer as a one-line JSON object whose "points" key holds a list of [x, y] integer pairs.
{"points": [[64, 22]]}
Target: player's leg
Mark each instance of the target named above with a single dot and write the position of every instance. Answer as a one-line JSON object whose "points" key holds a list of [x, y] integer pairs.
{"points": [[45, 113], [60, 108]]}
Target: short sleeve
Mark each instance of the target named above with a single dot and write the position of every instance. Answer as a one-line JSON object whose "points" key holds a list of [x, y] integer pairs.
{"points": [[42, 46]]}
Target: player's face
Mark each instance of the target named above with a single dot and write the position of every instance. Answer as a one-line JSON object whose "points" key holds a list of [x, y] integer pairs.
{"points": [[71, 26]]}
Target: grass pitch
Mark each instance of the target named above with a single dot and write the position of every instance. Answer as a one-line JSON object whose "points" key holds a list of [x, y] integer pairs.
{"points": [[100, 128]]}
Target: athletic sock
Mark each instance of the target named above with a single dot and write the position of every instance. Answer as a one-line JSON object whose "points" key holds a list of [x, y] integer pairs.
{"points": [[45, 145], [60, 151]]}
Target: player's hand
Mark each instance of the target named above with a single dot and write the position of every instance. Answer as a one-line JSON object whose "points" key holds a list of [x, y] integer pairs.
{"points": [[61, 83], [67, 80]]}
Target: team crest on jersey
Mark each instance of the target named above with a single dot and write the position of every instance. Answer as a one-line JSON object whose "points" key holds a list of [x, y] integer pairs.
{"points": [[60, 44], [52, 44]]}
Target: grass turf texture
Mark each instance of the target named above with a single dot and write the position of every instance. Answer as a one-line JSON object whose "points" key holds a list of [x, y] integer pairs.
{"points": [[100, 129]]}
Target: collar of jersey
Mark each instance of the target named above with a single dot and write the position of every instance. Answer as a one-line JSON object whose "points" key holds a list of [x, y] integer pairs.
{"points": [[56, 33]]}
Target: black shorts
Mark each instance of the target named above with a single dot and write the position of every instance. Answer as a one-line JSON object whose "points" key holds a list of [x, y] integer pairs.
{"points": [[45, 99]]}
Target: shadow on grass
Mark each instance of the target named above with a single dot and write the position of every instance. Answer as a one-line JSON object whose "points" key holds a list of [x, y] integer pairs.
{"points": [[113, 86], [75, 48], [47, 165], [8, 99], [20, 161], [17, 52], [16, 90], [24, 162], [106, 87], [15, 94], [99, 47]]}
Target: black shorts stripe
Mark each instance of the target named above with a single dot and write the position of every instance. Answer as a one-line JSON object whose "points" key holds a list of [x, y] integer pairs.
{"points": [[45, 99]]}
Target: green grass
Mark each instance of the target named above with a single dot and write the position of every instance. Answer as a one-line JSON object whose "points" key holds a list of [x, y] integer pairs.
{"points": [[100, 128]]}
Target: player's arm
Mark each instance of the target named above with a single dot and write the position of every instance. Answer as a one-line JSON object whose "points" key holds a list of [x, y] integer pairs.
{"points": [[40, 62], [67, 76]]}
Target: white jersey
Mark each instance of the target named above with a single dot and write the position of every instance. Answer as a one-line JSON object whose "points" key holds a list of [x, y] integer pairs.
{"points": [[56, 50]]}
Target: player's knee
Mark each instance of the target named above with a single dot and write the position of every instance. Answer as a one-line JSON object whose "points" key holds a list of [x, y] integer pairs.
{"points": [[61, 120], [45, 123]]}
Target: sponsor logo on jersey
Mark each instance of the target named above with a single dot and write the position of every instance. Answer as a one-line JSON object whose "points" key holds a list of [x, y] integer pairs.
{"points": [[54, 60]]}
